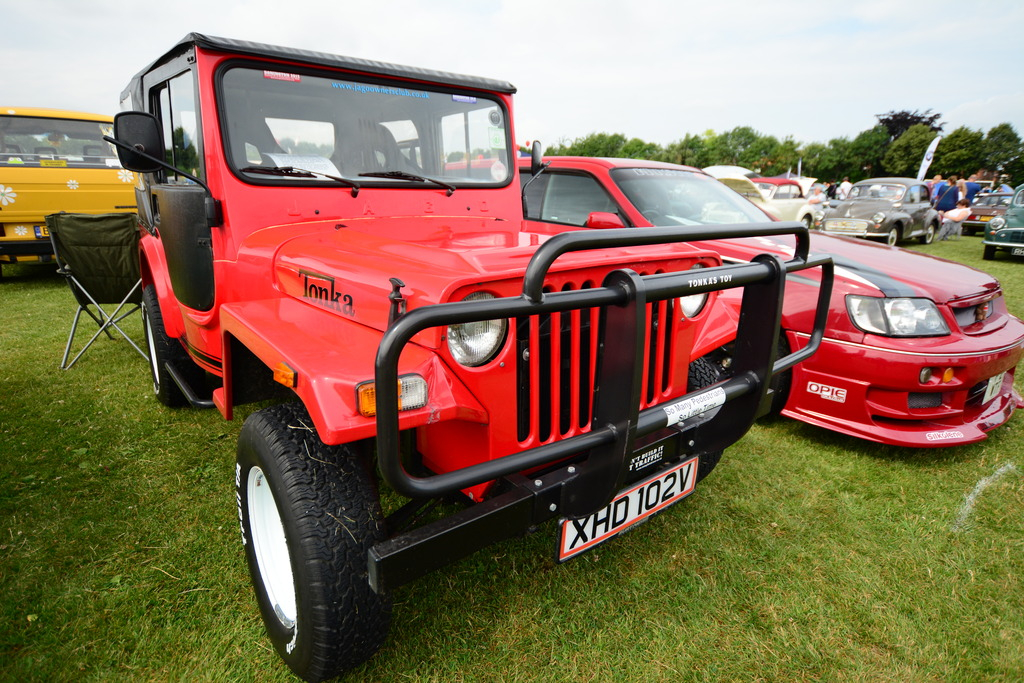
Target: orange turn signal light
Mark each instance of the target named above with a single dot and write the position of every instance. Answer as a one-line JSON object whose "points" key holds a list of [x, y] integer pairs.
{"points": [[412, 393], [285, 375]]}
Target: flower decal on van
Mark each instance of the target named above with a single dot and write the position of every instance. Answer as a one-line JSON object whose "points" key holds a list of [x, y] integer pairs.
{"points": [[7, 195], [72, 184], [125, 176]]}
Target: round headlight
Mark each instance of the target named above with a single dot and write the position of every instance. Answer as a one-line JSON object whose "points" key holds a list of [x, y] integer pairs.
{"points": [[997, 223], [693, 304], [473, 344], [878, 217]]}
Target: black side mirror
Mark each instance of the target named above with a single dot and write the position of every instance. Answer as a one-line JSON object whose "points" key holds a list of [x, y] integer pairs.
{"points": [[536, 158], [140, 134]]}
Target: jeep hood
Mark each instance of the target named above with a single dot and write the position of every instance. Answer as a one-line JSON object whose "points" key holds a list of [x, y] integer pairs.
{"points": [[348, 265]]}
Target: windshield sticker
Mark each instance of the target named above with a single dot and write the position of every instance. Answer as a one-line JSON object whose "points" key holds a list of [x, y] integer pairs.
{"points": [[282, 76], [467, 99], [379, 90], [497, 137], [659, 172]]}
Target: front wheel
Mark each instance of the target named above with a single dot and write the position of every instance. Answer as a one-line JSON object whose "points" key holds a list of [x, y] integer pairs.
{"points": [[989, 253], [703, 373], [309, 515], [893, 237], [808, 221], [929, 234]]}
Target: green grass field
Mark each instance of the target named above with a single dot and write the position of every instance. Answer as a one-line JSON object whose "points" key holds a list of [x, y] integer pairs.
{"points": [[806, 556]]}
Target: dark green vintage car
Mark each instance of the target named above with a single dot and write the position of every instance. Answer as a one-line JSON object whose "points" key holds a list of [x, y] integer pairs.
{"points": [[1006, 232]]}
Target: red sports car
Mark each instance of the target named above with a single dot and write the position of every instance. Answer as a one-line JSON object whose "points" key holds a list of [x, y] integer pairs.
{"points": [[919, 351]]}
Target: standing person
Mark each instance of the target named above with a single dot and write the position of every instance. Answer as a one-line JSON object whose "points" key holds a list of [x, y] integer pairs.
{"points": [[830, 189], [951, 222], [972, 187], [945, 196], [844, 188]]}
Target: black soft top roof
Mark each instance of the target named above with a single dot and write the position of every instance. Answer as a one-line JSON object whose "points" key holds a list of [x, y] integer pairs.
{"points": [[366, 66]]}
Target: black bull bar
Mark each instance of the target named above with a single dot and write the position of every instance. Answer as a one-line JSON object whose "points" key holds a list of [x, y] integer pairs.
{"points": [[591, 482]]}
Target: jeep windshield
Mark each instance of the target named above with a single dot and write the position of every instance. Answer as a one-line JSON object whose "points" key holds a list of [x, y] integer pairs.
{"points": [[670, 197], [380, 135]]}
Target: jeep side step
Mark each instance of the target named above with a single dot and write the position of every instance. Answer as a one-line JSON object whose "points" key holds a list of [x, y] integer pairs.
{"points": [[190, 395]]}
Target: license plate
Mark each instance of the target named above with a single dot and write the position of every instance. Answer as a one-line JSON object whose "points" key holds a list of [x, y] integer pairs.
{"points": [[994, 385], [1017, 251], [42, 232], [631, 506]]}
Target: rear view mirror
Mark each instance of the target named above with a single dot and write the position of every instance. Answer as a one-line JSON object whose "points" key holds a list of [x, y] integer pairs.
{"points": [[139, 134], [536, 158], [604, 219]]}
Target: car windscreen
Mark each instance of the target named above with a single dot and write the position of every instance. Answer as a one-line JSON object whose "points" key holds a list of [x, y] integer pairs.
{"points": [[334, 126], [675, 197], [888, 191], [992, 200], [45, 142]]}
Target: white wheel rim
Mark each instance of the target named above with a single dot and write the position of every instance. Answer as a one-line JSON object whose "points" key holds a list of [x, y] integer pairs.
{"points": [[154, 366], [270, 547]]}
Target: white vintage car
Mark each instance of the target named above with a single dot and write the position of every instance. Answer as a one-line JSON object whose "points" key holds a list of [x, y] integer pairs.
{"points": [[782, 198], [785, 199]]}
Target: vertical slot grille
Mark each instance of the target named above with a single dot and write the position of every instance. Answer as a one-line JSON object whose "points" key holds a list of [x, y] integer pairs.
{"points": [[556, 356]]}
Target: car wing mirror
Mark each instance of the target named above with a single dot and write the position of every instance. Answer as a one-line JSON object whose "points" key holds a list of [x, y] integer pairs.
{"points": [[141, 142], [604, 219], [536, 158]]}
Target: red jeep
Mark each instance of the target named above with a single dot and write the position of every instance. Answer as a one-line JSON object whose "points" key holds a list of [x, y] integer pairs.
{"points": [[346, 238]]}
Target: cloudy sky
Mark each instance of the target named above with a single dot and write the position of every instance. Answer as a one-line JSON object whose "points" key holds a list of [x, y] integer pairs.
{"points": [[652, 69]]}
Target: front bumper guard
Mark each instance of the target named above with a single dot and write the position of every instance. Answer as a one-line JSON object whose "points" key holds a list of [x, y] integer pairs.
{"points": [[600, 457]]}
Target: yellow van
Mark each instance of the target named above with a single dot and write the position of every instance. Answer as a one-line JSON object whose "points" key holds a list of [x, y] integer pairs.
{"points": [[51, 161]]}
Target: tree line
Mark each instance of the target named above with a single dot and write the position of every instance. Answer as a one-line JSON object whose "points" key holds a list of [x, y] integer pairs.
{"points": [[893, 147]]}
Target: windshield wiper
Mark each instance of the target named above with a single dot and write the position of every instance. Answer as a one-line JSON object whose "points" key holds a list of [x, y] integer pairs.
{"points": [[293, 172], [402, 175]]}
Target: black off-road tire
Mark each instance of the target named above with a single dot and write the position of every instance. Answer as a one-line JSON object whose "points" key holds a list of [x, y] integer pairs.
{"points": [[162, 349], [704, 373], [309, 514], [782, 382]]}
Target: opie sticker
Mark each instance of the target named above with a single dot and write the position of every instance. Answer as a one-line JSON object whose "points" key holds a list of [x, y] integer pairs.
{"points": [[826, 392]]}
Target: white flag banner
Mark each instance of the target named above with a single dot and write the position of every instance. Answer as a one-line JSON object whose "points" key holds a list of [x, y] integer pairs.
{"points": [[927, 161]]}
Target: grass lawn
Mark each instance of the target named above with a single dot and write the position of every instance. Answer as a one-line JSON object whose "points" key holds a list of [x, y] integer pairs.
{"points": [[806, 556]]}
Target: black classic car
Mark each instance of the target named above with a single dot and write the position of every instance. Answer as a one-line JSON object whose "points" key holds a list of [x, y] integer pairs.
{"points": [[887, 209]]}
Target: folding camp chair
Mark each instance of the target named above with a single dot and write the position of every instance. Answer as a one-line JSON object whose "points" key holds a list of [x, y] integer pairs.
{"points": [[98, 255]]}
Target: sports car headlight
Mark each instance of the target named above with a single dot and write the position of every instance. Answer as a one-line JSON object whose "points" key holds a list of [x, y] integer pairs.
{"points": [[473, 344], [900, 317], [997, 223], [693, 304], [878, 217]]}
